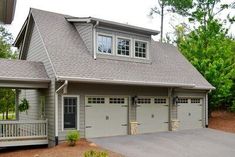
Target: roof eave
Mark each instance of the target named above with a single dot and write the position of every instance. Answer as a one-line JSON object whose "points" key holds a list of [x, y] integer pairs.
{"points": [[25, 79], [112, 23], [124, 82]]}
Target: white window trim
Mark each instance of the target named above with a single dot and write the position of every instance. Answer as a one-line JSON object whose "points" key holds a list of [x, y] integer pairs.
{"points": [[78, 112], [147, 49], [113, 41], [130, 48]]}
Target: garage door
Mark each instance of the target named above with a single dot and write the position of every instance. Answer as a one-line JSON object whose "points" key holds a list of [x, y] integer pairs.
{"points": [[152, 114], [106, 116], [190, 113]]}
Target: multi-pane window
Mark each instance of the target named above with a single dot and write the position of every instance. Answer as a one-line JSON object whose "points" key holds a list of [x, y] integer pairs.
{"points": [[123, 47], [104, 44], [160, 100], [96, 100], [195, 100], [144, 101], [183, 100], [70, 112], [140, 49], [116, 100]]}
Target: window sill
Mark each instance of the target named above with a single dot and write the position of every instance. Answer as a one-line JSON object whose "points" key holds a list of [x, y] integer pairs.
{"points": [[124, 58]]}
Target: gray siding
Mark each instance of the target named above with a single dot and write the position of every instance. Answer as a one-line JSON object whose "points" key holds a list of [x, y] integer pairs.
{"points": [[37, 52], [33, 97], [98, 89], [85, 32]]}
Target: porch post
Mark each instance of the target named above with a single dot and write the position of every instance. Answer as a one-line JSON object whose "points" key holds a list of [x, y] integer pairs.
{"points": [[17, 103]]}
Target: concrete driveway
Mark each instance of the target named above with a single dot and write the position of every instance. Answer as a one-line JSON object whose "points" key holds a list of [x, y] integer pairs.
{"points": [[187, 143]]}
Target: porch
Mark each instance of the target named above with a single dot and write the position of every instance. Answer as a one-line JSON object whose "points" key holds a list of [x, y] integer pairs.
{"points": [[21, 133], [30, 129]]}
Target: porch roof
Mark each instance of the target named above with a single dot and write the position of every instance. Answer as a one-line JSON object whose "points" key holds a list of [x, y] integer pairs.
{"points": [[23, 74]]}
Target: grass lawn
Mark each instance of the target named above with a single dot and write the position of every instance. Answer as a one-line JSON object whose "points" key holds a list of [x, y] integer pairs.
{"points": [[62, 150], [222, 120], [11, 116]]}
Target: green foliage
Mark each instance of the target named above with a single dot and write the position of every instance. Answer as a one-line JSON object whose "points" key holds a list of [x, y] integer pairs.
{"points": [[72, 137], [210, 51], [92, 153], [24, 105], [7, 102], [7, 96]]}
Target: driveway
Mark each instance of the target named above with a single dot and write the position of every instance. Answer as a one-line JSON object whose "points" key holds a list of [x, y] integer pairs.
{"points": [[187, 143]]}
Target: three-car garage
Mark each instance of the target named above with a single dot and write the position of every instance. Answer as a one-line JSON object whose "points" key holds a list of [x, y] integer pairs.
{"points": [[109, 115]]}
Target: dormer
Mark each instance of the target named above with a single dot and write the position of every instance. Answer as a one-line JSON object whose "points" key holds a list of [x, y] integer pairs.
{"points": [[113, 40]]}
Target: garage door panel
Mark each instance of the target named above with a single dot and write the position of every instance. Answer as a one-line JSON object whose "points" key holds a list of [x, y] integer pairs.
{"points": [[106, 118], [190, 113], [152, 116]]}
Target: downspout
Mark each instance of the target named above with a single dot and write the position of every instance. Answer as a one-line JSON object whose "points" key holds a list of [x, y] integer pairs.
{"points": [[56, 110], [94, 38], [206, 109]]}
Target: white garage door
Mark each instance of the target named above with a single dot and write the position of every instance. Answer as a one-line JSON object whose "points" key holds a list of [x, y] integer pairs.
{"points": [[152, 114], [106, 116], [190, 113]]}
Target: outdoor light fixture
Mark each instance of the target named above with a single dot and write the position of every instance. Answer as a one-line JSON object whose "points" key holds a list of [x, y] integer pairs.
{"points": [[175, 100], [134, 100]]}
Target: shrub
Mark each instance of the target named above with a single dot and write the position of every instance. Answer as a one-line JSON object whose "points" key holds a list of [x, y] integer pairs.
{"points": [[72, 137], [92, 153]]}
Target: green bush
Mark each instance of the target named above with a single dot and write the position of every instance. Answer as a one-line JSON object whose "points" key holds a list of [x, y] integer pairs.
{"points": [[92, 153], [72, 137]]}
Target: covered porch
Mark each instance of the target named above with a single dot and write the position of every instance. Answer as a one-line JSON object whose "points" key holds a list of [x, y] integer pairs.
{"points": [[23, 75]]}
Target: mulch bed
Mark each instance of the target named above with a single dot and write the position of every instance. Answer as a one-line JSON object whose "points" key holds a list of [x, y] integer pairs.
{"points": [[62, 150], [222, 120]]}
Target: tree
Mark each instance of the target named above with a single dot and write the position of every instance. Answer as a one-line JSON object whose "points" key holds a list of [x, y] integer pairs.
{"points": [[7, 96], [173, 6]]}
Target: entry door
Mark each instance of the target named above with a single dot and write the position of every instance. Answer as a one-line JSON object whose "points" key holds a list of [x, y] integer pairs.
{"points": [[152, 115], [106, 116], [190, 113], [70, 112]]}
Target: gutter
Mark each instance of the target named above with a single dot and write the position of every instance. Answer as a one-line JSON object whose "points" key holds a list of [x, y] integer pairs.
{"points": [[206, 108], [124, 82], [63, 86], [94, 38]]}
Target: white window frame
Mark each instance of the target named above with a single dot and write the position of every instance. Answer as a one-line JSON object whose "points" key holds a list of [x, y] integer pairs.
{"points": [[130, 48], [78, 112], [113, 41], [147, 49]]}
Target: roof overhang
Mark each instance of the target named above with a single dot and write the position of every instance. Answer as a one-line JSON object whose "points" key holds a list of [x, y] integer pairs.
{"points": [[23, 83], [124, 82], [112, 24], [7, 11]]}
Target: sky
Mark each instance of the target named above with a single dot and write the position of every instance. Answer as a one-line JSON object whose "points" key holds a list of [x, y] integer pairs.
{"points": [[133, 12]]}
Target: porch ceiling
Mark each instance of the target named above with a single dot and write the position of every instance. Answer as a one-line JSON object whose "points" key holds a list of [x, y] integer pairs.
{"points": [[23, 74]]}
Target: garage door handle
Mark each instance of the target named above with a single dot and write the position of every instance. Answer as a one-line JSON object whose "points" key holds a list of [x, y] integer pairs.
{"points": [[138, 105], [166, 122], [88, 106], [139, 124], [124, 106], [88, 126], [124, 124], [200, 120], [166, 105]]}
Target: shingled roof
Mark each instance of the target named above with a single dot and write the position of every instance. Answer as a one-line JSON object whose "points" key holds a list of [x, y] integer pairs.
{"points": [[22, 70], [72, 61]]}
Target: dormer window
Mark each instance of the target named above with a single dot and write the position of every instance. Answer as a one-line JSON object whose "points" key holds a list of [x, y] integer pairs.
{"points": [[140, 49], [105, 44], [123, 46]]}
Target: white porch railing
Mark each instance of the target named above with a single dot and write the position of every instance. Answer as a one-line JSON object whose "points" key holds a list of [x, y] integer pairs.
{"points": [[23, 130]]}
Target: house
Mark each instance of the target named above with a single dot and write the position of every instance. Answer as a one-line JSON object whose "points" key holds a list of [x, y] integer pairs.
{"points": [[102, 78]]}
